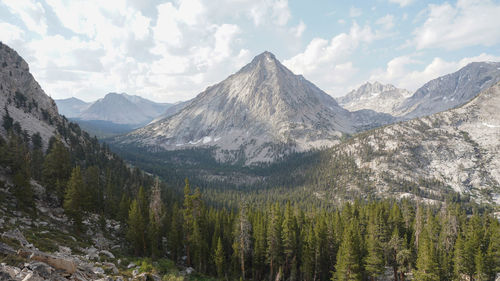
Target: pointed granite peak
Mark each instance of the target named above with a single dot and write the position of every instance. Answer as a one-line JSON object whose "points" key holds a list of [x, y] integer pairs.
{"points": [[265, 56]]}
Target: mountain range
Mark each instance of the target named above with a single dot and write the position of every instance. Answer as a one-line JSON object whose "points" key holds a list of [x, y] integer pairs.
{"points": [[114, 113], [264, 112], [259, 114], [374, 96]]}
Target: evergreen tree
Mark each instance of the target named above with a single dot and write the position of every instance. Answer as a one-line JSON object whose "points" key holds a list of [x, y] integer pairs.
{"points": [[136, 229], [7, 120], [348, 266], [308, 267], [219, 258], [427, 263], [56, 169], [274, 247], [289, 241], [242, 243], [73, 203], [374, 261], [156, 218]]}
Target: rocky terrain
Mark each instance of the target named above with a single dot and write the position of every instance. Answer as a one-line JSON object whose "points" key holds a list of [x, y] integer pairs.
{"points": [[22, 99], [456, 150], [451, 90], [260, 114], [49, 248], [374, 96]]}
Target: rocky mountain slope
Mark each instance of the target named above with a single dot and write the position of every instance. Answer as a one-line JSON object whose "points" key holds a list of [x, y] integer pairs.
{"points": [[261, 113], [451, 90], [22, 100], [72, 107], [455, 150], [374, 96], [123, 109]]}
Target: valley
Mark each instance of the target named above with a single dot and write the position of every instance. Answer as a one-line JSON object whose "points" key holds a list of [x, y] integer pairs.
{"points": [[372, 155]]}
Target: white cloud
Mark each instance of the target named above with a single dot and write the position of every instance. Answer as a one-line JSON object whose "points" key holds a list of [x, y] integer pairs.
{"points": [[398, 70], [468, 23], [355, 12], [326, 62], [387, 21], [10, 33], [260, 11], [402, 3], [298, 30], [166, 29], [31, 13]]}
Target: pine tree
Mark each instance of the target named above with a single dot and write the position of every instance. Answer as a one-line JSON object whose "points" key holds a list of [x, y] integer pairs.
{"points": [[124, 208], [348, 266], [289, 241], [73, 199], [91, 191], [175, 234], [374, 261], [427, 263], [493, 252], [481, 270], [156, 218], [136, 229], [56, 169], [260, 246], [242, 243], [274, 247], [219, 258], [23, 190], [308, 267]]}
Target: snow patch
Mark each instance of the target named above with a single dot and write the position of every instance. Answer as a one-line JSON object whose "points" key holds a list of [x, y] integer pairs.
{"points": [[207, 139]]}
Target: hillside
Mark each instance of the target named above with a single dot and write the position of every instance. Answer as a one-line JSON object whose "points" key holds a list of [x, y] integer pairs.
{"points": [[452, 151], [451, 90]]}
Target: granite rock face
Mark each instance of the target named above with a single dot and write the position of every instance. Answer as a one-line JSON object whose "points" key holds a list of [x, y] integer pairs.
{"points": [[375, 96], [260, 114], [22, 98]]}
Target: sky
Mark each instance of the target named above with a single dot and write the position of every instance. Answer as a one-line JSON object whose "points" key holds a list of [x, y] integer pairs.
{"points": [[170, 51]]}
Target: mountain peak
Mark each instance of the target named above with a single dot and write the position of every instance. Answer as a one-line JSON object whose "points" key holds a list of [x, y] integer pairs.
{"points": [[265, 56]]}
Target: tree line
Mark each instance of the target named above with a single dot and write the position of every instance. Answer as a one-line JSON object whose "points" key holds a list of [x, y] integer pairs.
{"points": [[356, 241]]}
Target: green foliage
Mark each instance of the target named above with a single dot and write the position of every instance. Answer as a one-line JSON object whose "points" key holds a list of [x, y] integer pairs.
{"points": [[56, 169], [73, 199], [136, 229]]}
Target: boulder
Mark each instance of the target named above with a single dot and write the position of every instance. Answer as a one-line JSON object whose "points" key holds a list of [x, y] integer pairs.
{"points": [[16, 234], [10, 271], [4, 276], [6, 249], [131, 265], [98, 270], [92, 253], [111, 266], [42, 269], [32, 276], [56, 262], [107, 253]]}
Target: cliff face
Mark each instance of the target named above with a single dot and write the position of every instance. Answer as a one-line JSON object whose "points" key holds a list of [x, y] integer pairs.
{"points": [[22, 98]]}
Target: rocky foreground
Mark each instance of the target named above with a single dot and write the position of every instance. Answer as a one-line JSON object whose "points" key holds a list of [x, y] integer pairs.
{"points": [[49, 248]]}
